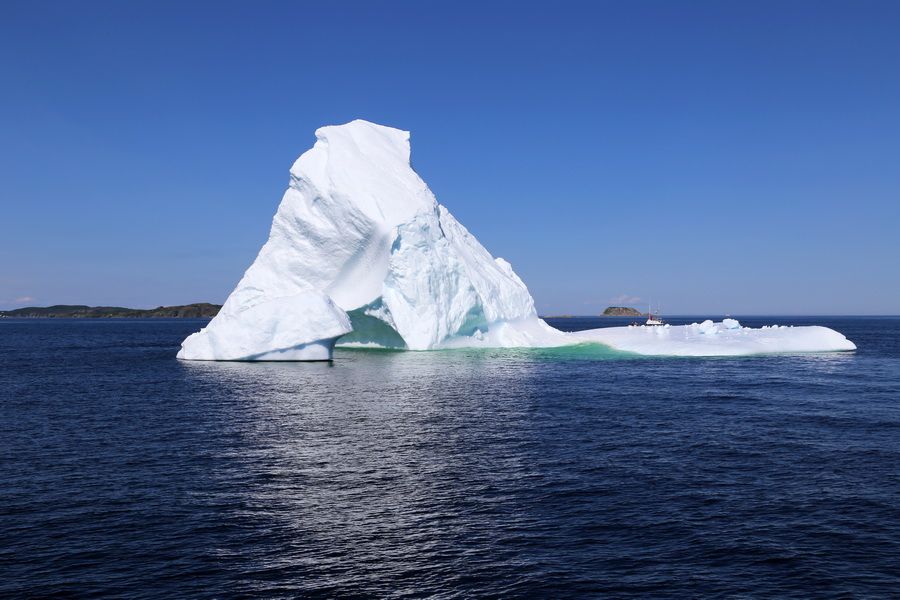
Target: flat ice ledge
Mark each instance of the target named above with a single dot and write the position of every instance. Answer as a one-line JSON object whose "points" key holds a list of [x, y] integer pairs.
{"points": [[727, 338]]}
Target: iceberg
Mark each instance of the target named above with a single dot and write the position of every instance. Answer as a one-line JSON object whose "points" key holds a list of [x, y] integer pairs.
{"points": [[360, 253]]}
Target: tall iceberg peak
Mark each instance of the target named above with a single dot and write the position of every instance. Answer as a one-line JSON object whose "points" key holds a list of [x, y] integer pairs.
{"points": [[360, 246]]}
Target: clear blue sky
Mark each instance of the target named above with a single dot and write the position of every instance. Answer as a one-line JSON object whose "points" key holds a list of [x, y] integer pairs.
{"points": [[717, 157]]}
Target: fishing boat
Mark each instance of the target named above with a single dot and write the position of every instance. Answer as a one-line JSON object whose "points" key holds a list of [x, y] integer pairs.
{"points": [[653, 319]]}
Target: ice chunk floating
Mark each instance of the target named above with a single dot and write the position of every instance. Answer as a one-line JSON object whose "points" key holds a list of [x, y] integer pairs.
{"points": [[727, 338], [361, 253]]}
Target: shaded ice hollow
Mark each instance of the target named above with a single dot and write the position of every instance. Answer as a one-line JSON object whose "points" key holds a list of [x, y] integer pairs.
{"points": [[360, 253]]}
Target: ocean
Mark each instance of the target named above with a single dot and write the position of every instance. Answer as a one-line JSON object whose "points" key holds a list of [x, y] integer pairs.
{"points": [[576, 472]]}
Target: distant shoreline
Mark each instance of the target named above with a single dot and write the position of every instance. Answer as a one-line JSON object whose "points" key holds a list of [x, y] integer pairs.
{"points": [[78, 311], [589, 316], [610, 311]]}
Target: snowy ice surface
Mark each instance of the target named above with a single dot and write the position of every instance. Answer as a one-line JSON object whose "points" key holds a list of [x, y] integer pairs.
{"points": [[727, 338], [360, 253]]}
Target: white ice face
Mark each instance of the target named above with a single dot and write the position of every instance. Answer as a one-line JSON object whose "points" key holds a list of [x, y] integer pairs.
{"points": [[360, 244], [361, 253]]}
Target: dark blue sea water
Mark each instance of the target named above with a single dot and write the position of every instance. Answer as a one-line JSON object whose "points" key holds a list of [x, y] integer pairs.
{"points": [[565, 473]]}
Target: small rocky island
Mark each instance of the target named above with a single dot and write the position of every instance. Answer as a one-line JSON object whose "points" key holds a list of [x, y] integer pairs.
{"points": [[621, 311], [78, 311]]}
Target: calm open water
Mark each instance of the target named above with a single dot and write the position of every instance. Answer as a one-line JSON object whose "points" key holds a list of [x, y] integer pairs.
{"points": [[564, 473]]}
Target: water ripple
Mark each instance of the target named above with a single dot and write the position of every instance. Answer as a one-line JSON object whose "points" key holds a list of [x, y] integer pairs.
{"points": [[446, 474]]}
